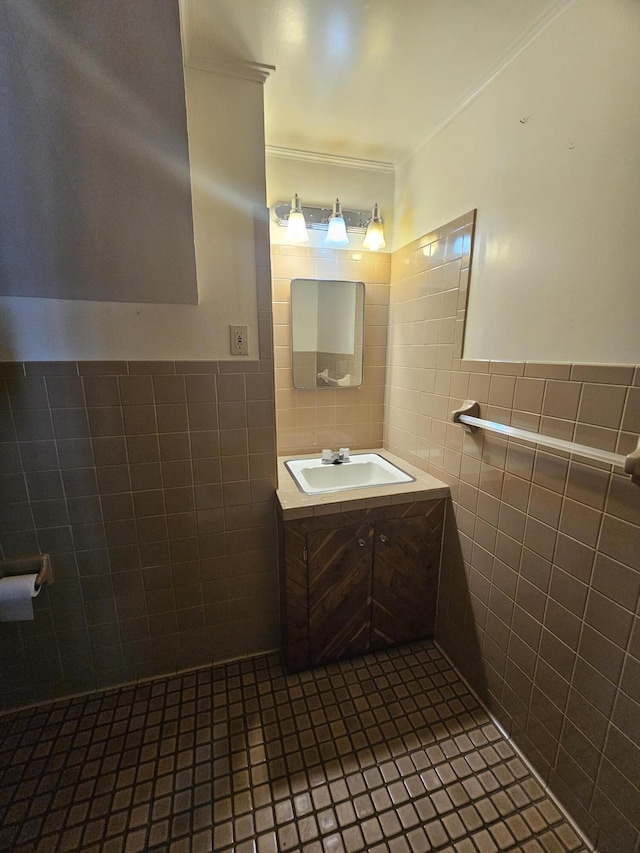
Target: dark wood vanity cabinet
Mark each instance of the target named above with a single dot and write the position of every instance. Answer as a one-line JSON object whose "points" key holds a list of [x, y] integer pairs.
{"points": [[357, 581]]}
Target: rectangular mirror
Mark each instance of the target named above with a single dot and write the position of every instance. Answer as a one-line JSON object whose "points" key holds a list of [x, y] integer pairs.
{"points": [[327, 321]]}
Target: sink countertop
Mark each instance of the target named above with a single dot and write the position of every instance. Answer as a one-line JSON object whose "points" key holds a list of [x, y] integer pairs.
{"points": [[297, 504]]}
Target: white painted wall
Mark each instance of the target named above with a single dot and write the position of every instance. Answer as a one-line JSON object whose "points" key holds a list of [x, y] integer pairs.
{"points": [[320, 183], [549, 155], [226, 143]]}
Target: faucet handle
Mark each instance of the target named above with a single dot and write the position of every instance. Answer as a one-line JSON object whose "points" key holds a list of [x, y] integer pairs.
{"points": [[327, 453], [344, 453]]}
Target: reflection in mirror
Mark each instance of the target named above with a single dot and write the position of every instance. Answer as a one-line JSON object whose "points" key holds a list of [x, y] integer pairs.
{"points": [[327, 320]]}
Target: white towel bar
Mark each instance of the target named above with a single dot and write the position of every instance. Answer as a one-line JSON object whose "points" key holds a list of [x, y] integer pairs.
{"points": [[467, 416]]}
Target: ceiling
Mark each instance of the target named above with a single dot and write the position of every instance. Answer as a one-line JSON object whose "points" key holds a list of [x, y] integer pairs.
{"points": [[366, 79]]}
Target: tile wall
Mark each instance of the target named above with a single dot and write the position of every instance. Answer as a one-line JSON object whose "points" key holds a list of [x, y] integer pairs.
{"points": [[151, 484], [539, 603], [327, 417]]}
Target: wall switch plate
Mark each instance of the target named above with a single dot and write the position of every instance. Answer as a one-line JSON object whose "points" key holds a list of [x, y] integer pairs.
{"points": [[239, 340]]}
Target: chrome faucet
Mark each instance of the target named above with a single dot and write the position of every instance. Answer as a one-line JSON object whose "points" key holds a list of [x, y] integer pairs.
{"points": [[335, 457]]}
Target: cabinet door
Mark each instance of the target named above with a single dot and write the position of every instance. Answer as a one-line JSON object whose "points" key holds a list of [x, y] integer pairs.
{"points": [[405, 579], [339, 564]]}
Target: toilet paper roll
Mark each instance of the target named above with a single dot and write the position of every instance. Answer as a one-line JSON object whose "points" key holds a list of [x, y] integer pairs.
{"points": [[16, 593]]}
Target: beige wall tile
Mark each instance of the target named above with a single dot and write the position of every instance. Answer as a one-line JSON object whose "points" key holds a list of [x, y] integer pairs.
{"points": [[546, 502], [580, 521], [561, 399], [314, 425], [623, 500], [545, 505], [556, 428], [547, 370], [615, 580], [609, 374], [587, 485], [631, 417], [550, 471], [507, 368], [501, 391], [602, 405], [524, 420], [154, 528], [479, 384], [595, 436], [619, 540], [475, 365], [529, 394]]}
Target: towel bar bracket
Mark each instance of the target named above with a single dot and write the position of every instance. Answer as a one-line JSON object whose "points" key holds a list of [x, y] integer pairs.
{"points": [[470, 408], [632, 465]]}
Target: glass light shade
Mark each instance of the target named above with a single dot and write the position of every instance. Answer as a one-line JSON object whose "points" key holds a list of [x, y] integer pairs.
{"points": [[337, 230], [374, 238], [297, 228]]}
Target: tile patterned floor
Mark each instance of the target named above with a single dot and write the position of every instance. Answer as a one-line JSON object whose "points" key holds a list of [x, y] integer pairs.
{"points": [[389, 752]]}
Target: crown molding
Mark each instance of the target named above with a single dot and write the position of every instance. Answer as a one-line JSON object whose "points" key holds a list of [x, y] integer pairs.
{"points": [[535, 29], [329, 159], [257, 72]]}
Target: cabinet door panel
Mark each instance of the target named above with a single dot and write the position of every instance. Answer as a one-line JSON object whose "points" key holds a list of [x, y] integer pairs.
{"points": [[339, 592], [405, 579], [294, 603]]}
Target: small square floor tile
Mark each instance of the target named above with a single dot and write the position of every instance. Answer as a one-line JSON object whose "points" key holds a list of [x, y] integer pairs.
{"points": [[387, 753]]}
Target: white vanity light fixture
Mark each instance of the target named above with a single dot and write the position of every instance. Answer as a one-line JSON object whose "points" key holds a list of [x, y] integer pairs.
{"points": [[374, 238], [337, 231], [296, 225]]}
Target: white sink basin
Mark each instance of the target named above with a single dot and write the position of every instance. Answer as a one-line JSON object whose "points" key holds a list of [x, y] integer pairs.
{"points": [[361, 472]]}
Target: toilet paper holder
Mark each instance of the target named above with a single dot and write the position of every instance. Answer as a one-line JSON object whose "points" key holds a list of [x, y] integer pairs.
{"points": [[39, 564]]}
